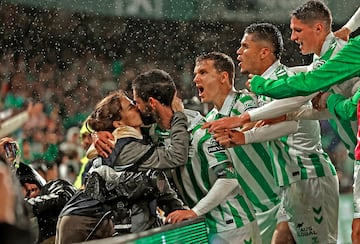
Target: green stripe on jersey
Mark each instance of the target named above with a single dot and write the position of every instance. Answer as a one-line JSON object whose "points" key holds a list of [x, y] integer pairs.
{"points": [[347, 133], [303, 172], [189, 201], [244, 99], [238, 220], [204, 161], [245, 205], [280, 177], [236, 112], [262, 151], [256, 174], [211, 222]]}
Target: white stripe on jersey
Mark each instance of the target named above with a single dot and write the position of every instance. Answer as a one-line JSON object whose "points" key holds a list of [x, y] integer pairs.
{"points": [[299, 155], [196, 178], [252, 162]]}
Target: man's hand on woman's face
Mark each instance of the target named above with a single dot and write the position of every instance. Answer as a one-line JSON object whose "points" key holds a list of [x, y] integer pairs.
{"points": [[177, 104], [102, 142]]}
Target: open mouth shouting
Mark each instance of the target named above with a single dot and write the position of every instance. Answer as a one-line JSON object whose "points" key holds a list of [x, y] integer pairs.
{"points": [[200, 90]]}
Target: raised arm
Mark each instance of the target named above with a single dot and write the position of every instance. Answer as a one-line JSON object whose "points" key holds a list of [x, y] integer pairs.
{"points": [[352, 25], [343, 66], [270, 110], [173, 155]]}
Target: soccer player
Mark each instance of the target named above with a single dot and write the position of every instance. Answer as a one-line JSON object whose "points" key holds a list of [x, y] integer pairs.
{"points": [[311, 29], [343, 66], [297, 157], [214, 79], [209, 185]]}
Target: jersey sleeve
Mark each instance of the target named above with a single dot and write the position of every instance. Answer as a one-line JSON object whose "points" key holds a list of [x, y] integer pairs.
{"points": [[218, 192], [306, 113], [277, 108], [354, 22], [343, 66], [270, 132], [343, 108], [12, 124]]}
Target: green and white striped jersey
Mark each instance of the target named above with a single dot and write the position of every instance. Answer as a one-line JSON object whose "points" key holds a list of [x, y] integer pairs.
{"points": [[252, 161], [299, 155], [346, 129], [195, 180]]}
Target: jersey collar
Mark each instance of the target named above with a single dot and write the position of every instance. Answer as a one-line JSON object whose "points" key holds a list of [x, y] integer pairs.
{"points": [[271, 70], [228, 103]]}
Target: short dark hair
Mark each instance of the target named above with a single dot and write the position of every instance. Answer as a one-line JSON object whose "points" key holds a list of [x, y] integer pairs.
{"points": [[222, 62], [311, 11], [155, 83], [269, 33]]}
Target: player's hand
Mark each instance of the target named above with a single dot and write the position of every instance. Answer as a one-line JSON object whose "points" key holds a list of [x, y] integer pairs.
{"points": [[248, 82], [343, 33], [229, 138], [103, 142], [319, 102], [180, 215], [227, 123]]}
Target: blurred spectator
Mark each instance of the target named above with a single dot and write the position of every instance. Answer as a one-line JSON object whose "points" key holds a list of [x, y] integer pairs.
{"points": [[72, 142], [26, 154], [48, 170], [85, 138], [69, 166]]}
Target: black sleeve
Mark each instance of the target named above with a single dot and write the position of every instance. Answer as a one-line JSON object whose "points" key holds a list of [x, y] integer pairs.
{"points": [[54, 195]]}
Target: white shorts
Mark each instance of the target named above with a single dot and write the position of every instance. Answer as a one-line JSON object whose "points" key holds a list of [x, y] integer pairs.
{"points": [[356, 189], [312, 207], [267, 222], [246, 234]]}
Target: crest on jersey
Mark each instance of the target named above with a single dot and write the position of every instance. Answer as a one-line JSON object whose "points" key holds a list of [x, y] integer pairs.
{"points": [[249, 105], [317, 64]]}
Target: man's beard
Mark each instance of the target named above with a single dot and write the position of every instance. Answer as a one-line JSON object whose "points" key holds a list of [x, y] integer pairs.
{"points": [[148, 118]]}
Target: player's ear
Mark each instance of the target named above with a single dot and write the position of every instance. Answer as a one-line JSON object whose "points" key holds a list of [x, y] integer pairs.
{"points": [[264, 52], [153, 102], [319, 27], [224, 76]]}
